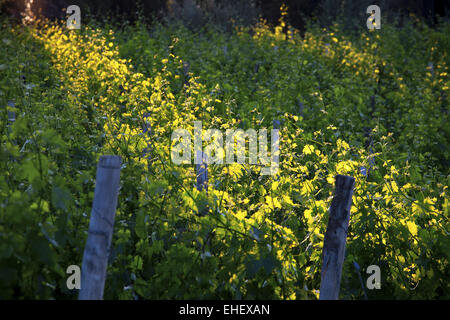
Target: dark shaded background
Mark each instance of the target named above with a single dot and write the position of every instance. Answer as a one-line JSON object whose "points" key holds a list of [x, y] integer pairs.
{"points": [[197, 12]]}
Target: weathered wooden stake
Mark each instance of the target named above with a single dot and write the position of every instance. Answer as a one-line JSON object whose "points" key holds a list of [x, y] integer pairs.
{"points": [[95, 257], [335, 237], [202, 178], [186, 73], [275, 149], [256, 67], [301, 106], [147, 130], [202, 172], [11, 114], [276, 124], [369, 140]]}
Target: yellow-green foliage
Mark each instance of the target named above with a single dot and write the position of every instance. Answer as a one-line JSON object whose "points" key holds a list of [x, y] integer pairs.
{"points": [[262, 238]]}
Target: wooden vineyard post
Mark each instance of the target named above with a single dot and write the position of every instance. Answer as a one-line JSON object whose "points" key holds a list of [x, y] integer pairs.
{"points": [[275, 150], [186, 73], [9, 124], [369, 140], [202, 172], [147, 130], [301, 107], [335, 238], [276, 124], [11, 114], [95, 257]]}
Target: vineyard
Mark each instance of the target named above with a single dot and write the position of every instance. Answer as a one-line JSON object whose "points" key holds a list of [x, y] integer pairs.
{"points": [[371, 104]]}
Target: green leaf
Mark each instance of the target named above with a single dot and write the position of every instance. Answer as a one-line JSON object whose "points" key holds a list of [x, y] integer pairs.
{"points": [[254, 265], [41, 251], [140, 225], [52, 138], [61, 197], [29, 170]]}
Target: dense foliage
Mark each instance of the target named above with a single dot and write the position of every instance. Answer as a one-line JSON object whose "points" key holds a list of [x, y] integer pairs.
{"points": [[372, 105]]}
